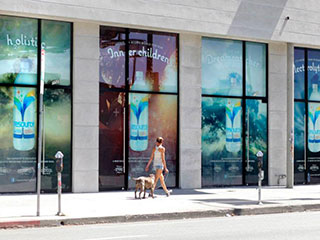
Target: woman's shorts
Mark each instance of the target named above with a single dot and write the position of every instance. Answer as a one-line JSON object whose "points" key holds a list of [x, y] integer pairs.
{"points": [[158, 167]]}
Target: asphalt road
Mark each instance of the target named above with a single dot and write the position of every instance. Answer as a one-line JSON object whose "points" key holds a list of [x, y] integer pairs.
{"points": [[277, 226]]}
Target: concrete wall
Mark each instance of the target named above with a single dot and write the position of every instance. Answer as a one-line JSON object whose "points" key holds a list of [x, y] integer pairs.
{"points": [[253, 19], [190, 111], [277, 103], [86, 108]]}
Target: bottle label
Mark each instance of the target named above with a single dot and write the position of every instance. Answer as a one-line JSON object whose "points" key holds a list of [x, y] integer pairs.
{"points": [[139, 122], [233, 126], [23, 118]]}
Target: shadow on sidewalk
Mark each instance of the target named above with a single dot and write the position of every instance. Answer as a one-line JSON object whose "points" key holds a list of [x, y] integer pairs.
{"points": [[234, 201]]}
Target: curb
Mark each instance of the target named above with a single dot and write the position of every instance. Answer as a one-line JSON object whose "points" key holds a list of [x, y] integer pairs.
{"points": [[161, 216]]}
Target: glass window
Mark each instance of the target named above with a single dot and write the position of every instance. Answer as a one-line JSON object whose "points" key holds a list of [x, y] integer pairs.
{"points": [[256, 138], [57, 132], [18, 106], [151, 116], [221, 67], [138, 99], [256, 69], [111, 140], [153, 61], [221, 141], [299, 73], [18, 48], [56, 41], [112, 57], [313, 163], [313, 75], [299, 142]]}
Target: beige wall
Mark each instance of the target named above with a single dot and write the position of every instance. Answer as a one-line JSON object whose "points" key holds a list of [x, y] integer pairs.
{"points": [[252, 19]]}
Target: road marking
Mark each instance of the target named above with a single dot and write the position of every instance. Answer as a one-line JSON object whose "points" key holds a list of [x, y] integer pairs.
{"points": [[118, 237]]}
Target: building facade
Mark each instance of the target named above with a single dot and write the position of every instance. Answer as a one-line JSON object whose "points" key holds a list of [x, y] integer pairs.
{"points": [[219, 80]]}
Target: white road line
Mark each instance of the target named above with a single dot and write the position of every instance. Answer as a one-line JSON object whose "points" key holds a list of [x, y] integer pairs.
{"points": [[118, 237]]}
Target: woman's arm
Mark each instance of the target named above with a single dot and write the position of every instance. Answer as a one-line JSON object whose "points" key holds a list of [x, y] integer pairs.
{"points": [[163, 150], [150, 160]]}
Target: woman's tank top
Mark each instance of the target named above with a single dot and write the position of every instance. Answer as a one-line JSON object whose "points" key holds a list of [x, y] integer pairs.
{"points": [[157, 157]]}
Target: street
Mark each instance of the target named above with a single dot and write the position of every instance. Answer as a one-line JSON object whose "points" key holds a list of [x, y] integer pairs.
{"points": [[277, 226]]}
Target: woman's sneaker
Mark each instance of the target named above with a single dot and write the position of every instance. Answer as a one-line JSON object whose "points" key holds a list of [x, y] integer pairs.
{"points": [[168, 193]]}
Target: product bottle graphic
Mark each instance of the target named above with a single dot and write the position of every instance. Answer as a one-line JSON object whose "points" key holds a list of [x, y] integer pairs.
{"points": [[139, 122], [314, 129], [233, 126], [24, 109], [315, 95]]}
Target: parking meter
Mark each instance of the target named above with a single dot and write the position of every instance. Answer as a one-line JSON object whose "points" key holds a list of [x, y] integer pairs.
{"points": [[260, 160], [59, 161]]}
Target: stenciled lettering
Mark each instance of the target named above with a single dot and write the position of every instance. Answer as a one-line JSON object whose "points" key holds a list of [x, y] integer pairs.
{"points": [[23, 124]]}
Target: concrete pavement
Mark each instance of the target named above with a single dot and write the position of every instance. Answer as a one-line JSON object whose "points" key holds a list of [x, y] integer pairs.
{"points": [[120, 206]]}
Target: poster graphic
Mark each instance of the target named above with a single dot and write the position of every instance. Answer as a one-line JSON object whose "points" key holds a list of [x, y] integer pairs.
{"points": [[24, 115], [221, 67], [256, 69], [139, 122], [233, 126], [314, 127], [221, 141]]}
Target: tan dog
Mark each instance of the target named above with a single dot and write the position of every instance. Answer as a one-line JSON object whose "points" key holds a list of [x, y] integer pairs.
{"points": [[144, 183]]}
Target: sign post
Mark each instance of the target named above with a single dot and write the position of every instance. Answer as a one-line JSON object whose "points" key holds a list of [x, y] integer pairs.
{"points": [[40, 129]]}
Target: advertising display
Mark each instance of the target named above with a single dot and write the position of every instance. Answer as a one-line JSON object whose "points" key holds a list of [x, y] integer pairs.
{"points": [[313, 159], [313, 75], [306, 119], [17, 136], [18, 122], [221, 142], [153, 62], [162, 121], [57, 137], [112, 57], [111, 140], [221, 67], [299, 143], [256, 138], [299, 73], [256, 69], [142, 108], [234, 120], [56, 40], [18, 48]]}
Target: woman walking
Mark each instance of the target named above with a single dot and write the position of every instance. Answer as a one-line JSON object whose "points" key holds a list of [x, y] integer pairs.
{"points": [[159, 163]]}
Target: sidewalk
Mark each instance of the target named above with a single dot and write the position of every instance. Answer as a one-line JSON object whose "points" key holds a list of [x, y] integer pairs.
{"points": [[120, 206]]}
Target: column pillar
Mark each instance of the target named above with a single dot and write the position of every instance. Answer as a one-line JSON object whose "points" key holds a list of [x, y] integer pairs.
{"points": [[290, 118], [85, 167], [190, 111]]}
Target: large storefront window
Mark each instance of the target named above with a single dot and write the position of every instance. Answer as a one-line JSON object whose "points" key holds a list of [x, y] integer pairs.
{"points": [[306, 120], [234, 111], [135, 112], [19, 88]]}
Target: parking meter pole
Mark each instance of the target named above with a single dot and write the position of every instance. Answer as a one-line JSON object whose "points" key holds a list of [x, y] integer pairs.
{"points": [[259, 193], [59, 194], [260, 175], [59, 168]]}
